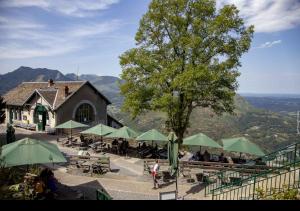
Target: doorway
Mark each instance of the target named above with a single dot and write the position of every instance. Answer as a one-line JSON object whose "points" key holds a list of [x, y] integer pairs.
{"points": [[40, 117]]}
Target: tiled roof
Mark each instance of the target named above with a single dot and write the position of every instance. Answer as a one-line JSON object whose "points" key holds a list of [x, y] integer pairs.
{"points": [[19, 95], [48, 94]]}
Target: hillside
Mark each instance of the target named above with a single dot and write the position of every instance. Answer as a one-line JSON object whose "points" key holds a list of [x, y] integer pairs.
{"points": [[22, 74], [268, 129], [108, 85]]}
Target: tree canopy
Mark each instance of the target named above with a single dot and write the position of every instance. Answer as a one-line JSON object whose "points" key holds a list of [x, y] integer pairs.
{"points": [[187, 55]]}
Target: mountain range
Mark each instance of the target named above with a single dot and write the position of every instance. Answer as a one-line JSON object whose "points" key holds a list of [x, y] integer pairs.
{"points": [[268, 129]]}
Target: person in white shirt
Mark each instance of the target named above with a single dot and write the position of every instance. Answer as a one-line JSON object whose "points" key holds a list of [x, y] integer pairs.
{"points": [[154, 174]]}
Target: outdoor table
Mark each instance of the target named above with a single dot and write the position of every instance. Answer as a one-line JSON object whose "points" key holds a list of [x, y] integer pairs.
{"points": [[87, 165], [76, 143]]}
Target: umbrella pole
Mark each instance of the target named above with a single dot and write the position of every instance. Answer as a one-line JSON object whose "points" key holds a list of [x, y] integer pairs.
{"points": [[177, 173], [240, 157], [176, 187]]}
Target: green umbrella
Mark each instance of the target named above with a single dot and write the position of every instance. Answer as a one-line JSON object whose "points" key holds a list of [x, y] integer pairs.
{"points": [[241, 145], [99, 130], [124, 132], [200, 139], [173, 152], [70, 125], [30, 151], [152, 135]]}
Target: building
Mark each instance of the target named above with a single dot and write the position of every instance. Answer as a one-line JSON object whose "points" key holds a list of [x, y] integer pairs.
{"points": [[44, 105]]}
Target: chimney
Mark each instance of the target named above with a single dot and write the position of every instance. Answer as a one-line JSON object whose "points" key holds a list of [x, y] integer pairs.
{"points": [[66, 91], [50, 83]]}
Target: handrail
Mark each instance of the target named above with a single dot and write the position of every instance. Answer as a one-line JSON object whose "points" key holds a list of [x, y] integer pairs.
{"points": [[249, 190], [274, 164]]}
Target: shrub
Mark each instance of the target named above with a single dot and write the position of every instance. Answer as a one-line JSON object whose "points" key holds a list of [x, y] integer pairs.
{"points": [[284, 194]]}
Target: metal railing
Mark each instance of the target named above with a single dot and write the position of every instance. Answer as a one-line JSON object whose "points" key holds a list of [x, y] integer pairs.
{"points": [[274, 161], [268, 183]]}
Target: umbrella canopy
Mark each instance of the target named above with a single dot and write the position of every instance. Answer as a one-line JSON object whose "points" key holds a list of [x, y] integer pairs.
{"points": [[200, 139], [152, 135], [70, 125], [241, 145], [173, 152], [124, 132], [99, 130], [30, 151]]}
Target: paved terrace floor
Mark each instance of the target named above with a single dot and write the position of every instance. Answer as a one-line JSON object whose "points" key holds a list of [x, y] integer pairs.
{"points": [[128, 183]]}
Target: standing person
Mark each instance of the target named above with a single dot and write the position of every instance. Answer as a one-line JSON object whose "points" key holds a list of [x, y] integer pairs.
{"points": [[154, 174], [51, 186]]}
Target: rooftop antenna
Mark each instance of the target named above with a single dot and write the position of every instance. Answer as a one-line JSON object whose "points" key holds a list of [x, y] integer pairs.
{"points": [[77, 73], [298, 122]]}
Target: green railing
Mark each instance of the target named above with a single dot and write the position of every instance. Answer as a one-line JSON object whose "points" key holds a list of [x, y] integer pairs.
{"points": [[265, 182], [102, 195], [273, 161]]}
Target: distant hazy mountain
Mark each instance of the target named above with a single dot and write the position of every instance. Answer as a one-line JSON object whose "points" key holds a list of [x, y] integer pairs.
{"points": [[108, 85], [12, 79]]}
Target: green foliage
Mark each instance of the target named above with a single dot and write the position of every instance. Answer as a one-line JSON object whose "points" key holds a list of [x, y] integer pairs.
{"points": [[2, 110], [284, 194], [187, 56]]}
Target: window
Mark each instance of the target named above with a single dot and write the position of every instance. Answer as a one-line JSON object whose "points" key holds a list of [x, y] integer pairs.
{"points": [[19, 115], [15, 115], [85, 113]]}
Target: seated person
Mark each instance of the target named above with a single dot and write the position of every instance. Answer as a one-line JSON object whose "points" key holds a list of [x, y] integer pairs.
{"points": [[144, 145], [115, 142], [82, 138], [196, 156], [222, 158], [51, 185], [206, 156], [39, 187], [259, 161]]}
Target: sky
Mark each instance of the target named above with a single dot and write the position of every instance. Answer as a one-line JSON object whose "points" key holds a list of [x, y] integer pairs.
{"points": [[88, 36]]}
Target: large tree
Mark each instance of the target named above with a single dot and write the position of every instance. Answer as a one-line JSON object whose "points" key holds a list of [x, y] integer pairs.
{"points": [[187, 55], [2, 110]]}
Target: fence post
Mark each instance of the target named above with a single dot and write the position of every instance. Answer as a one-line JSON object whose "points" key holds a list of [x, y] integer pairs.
{"points": [[253, 194], [295, 160]]}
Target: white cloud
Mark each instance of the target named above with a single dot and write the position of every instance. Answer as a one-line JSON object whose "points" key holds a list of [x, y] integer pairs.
{"points": [[269, 44], [76, 8], [268, 15], [29, 42], [15, 51], [9, 23]]}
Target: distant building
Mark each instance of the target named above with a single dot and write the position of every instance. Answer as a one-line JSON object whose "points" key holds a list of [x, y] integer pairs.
{"points": [[42, 105]]}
